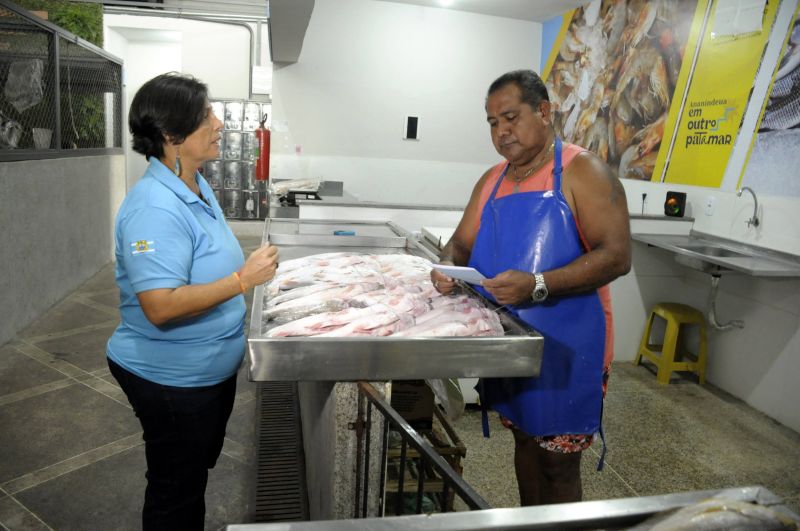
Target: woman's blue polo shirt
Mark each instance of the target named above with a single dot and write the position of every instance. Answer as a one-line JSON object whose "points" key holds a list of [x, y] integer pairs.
{"points": [[167, 237]]}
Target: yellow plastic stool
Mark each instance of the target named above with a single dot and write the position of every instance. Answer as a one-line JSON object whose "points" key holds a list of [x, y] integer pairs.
{"points": [[665, 355]]}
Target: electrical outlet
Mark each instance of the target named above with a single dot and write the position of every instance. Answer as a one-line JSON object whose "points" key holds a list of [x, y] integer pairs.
{"points": [[711, 203]]}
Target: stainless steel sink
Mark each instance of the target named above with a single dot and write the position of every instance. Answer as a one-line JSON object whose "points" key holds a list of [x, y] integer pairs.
{"points": [[714, 250], [718, 256], [702, 263]]}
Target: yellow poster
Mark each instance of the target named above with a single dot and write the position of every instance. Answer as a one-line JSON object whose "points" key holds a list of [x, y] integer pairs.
{"points": [[719, 89], [616, 69]]}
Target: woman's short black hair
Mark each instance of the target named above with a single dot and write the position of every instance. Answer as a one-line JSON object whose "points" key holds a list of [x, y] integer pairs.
{"points": [[170, 105], [530, 85]]}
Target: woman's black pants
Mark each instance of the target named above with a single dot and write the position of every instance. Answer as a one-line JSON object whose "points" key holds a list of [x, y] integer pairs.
{"points": [[184, 428]]}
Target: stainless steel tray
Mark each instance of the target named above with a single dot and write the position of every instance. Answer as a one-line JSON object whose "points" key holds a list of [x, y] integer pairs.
{"points": [[518, 353]]}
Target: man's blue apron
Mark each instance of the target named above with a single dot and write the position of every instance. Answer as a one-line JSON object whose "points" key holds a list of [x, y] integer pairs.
{"points": [[536, 232]]}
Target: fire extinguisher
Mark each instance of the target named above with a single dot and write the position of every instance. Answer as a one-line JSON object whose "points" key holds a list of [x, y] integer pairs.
{"points": [[262, 160]]}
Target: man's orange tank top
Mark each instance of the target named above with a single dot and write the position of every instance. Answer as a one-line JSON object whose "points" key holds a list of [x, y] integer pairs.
{"points": [[538, 182]]}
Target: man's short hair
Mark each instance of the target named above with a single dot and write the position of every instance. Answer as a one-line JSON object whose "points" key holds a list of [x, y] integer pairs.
{"points": [[530, 85]]}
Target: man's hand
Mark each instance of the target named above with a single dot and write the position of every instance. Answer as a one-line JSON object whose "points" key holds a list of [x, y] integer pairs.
{"points": [[510, 287], [443, 284]]}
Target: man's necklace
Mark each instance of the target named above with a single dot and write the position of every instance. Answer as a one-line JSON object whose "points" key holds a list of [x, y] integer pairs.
{"points": [[518, 179]]}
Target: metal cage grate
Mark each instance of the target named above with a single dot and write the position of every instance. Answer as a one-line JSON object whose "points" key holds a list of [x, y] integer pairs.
{"points": [[58, 93], [90, 91]]}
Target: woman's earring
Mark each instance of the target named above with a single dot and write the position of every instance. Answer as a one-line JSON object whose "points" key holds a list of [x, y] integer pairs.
{"points": [[177, 169]]}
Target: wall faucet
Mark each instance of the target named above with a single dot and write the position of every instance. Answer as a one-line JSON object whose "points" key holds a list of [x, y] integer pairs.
{"points": [[754, 220]]}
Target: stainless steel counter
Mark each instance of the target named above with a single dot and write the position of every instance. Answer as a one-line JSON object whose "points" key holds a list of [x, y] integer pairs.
{"points": [[604, 514], [353, 202], [719, 256], [652, 217], [518, 353]]}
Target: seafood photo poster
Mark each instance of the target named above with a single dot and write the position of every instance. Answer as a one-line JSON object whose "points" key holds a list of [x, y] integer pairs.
{"points": [[616, 74], [775, 155], [719, 90], [647, 85]]}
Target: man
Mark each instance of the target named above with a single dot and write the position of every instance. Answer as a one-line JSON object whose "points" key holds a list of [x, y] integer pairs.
{"points": [[549, 229]]}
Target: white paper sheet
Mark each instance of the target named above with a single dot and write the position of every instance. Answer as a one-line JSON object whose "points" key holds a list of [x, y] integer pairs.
{"points": [[467, 274], [738, 17]]}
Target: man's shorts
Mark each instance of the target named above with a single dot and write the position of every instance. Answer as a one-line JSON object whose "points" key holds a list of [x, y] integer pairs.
{"points": [[563, 444]]}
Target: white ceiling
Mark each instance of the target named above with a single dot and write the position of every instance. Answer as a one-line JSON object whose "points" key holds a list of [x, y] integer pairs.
{"points": [[289, 18], [249, 10], [533, 10]]}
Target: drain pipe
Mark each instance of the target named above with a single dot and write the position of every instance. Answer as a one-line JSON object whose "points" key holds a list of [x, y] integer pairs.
{"points": [[712, 314]]}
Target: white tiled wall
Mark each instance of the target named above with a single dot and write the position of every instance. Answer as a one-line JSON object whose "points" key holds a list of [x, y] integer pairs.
{"points": [[760, 363]]}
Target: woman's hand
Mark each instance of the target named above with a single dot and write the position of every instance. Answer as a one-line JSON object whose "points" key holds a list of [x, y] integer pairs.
{"points": [[162, 306], [260, 267], [443, 284]]}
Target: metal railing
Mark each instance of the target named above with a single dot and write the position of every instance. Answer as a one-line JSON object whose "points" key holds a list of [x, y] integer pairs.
{"points": [[59, 94], [427, 462]]}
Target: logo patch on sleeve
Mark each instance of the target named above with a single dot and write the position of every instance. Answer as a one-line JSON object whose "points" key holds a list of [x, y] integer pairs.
{"points": [[143, 246]]}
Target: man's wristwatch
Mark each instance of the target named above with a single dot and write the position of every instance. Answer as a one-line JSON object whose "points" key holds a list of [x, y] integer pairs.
{"points": [[539, 293]]}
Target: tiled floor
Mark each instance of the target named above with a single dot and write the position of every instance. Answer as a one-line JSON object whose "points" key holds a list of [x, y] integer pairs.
{"points": [[661, 439], [71, 454]]}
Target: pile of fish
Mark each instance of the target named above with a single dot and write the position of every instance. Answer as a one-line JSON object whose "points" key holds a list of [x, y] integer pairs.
{"points": [[720, 513], [349, 294]]}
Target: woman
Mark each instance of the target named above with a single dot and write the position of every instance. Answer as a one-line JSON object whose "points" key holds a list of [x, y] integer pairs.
{"points": [[182, 276]]}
